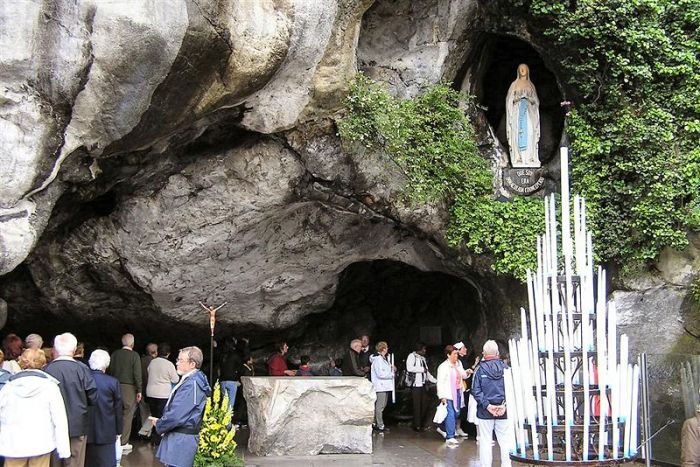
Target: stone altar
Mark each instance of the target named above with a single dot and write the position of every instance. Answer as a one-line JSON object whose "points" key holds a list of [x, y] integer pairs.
{"points": [[309, 415]]}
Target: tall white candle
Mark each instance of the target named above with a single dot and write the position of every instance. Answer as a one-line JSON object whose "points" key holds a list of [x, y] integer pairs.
{"points": [[540, 310], [512, 406], [566, 240], [624, 380], [612, 338], [586, 400], [536, 371], [629, 376], [550, 376], [602, 435], [517, 389], [553, 235], [568, 396], [615, 410], [634, 412]]}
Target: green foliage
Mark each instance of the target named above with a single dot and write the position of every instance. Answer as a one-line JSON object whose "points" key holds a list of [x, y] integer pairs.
{"points": [[695, 291], [633, 69], [432, 141], [216, 445]]}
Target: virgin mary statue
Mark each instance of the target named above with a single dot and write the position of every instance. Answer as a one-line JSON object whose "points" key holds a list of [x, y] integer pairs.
{"points": [[523, 120]]}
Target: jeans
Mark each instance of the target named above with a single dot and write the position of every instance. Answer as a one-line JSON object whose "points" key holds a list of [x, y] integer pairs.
{"points": [[231, 388], [505, 436], [452, 416]]}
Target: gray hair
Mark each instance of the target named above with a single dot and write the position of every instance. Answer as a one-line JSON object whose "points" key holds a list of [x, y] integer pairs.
{"points": [[490, 348], [65, 344], [194, 354], [99, 360], [355, 341], [34, 341], [128, 340]]}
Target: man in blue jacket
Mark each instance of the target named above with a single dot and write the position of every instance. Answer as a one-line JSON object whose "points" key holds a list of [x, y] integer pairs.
{"points": [[489, 391], [182, 417]]}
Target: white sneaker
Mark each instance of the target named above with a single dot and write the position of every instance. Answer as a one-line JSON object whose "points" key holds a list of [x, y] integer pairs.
{"points": [[442, 433], [451, 443], [127, 448], [461, 433]]}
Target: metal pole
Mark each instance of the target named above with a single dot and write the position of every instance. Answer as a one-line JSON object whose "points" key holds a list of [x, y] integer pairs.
{"points": [[211, 366], [646, 425]]}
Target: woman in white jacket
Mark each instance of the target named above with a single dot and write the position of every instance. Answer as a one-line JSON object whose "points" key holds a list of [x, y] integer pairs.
{"points": [[383, 380], [33, 419], [449, 390]]}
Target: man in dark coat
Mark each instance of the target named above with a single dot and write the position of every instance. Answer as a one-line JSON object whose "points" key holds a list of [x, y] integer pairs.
{"points": [[365, 353], [182, 418], [125, 365], [489, 391], [351, 361], [105, 416], [79, 390]]}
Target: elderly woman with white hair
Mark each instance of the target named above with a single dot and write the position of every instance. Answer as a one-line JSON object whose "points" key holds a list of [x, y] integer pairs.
{"points": [[489, 392], [105, 416]]}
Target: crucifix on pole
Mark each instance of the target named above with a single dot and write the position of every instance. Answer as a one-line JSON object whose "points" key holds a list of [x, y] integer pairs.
{"points": [[212, 322]]}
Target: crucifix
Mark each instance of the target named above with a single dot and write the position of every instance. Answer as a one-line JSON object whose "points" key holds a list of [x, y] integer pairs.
{"points": [[212, 322]]}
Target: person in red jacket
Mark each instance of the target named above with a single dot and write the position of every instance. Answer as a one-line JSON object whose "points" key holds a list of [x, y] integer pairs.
{"points": [[277, 365]]}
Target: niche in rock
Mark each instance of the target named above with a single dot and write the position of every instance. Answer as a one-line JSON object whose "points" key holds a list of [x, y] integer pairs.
{"points": [[398, 303], [491, 69]]}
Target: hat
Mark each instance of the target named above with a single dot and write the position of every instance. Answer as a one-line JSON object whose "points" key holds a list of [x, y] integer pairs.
{"points": [[458, 345]]}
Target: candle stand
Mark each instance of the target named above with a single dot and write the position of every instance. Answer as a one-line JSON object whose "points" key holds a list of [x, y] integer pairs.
{"points": [[571, 392]]}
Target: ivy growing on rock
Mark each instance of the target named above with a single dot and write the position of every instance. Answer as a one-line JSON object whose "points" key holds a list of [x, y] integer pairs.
{"points": [[432, 141], [633, 71]]}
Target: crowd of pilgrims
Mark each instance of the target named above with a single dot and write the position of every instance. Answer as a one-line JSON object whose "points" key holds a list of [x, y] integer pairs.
{"points": [[80, 410]]}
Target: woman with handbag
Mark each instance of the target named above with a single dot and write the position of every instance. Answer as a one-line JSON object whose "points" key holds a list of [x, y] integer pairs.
{"points": [[449, 390]]}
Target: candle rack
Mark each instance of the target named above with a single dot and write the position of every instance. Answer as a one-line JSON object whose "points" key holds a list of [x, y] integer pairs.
{"points": [[572, 394]]}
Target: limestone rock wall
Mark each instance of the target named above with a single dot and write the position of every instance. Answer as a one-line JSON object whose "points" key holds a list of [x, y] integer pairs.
{"points": [[91, 79], [155, 154]]}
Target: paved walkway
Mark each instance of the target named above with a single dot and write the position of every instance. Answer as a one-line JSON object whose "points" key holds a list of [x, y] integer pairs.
{"points": [[401, 448]]}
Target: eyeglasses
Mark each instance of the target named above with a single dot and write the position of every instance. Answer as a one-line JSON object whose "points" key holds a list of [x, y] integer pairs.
{"points": [[183, 360]]}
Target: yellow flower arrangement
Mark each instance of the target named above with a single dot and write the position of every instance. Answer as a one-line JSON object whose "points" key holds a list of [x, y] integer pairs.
{"points": [[216, 445]]}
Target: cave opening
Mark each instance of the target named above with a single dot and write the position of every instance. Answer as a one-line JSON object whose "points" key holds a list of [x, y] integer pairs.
{"points": [[395, 302], [388, 300], [491, 69]]}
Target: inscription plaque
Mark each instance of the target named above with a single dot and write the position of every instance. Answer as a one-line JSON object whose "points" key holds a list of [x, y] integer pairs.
{"points": [[523, 181]]}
